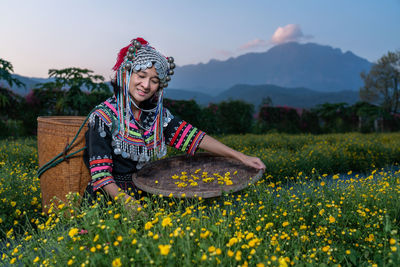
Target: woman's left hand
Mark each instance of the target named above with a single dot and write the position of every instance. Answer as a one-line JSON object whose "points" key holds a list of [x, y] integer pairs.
{"points": [[253, 162]]}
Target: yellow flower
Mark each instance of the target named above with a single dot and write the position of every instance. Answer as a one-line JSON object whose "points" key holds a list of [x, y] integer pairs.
{"points": [[238, 255], [73, 232], [284, 224], [116, 262], [119, 238], [232, 242], [211, 249], [392, 241], [260, 265], [348, 252], [249, 236], [326, 248], [268, 225], [205, 234], [204, 257], [282, 262], [394, 248], [70, 262], [166, 222], [230, 253], [332, 219], [148, 226], [164, 249], [96, 237], [36, 259], [13, 203]]}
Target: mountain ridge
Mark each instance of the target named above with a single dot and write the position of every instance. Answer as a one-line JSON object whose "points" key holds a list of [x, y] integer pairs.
{"points": [[310, 65]]}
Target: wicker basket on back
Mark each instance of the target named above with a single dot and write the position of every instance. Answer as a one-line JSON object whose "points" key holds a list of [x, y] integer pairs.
{"points": [[71, 175]]}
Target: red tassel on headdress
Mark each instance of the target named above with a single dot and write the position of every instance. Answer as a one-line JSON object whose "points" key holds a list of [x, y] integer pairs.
{"points": [[120, 58], [142, 41]]}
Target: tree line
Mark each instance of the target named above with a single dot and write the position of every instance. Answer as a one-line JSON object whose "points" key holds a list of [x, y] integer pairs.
{"points": [[75, 91]]}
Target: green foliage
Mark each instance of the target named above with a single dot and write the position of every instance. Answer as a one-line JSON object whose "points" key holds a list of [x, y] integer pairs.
{"points": [[234, 116], [19, 185], [224, 118], [187, 110], [65, 94], [6, 69], [282, 119]]}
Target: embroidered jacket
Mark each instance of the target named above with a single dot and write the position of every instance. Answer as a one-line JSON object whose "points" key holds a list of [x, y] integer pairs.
{"points": [[110, 154]]}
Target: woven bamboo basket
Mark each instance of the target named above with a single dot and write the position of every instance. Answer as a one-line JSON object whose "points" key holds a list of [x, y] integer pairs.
{"points": [[71, 175]]}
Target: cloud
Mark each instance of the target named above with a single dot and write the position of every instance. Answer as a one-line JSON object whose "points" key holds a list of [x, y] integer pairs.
{"points": [[254, 44], [288, 33]]}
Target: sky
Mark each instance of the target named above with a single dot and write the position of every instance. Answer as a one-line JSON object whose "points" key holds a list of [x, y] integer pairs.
{"points": [[38, 35]]}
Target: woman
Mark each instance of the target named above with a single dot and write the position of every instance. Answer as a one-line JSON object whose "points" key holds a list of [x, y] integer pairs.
{"points": [[132, 127]]}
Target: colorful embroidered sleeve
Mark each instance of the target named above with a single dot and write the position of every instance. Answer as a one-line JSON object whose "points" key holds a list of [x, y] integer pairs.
{"points": [[99, 153], [183, 136]]}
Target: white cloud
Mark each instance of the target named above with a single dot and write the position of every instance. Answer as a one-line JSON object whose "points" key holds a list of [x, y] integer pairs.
{"points": [[288, 33], [254, 44]]}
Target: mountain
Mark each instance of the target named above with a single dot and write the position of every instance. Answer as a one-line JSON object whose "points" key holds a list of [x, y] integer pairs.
{"points": [[313, 66], [280, 96], [28, 81]]}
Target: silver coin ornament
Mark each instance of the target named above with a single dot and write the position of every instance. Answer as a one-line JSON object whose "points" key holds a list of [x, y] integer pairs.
{"points": [[170, 59], [103, 134], [117, 151]]}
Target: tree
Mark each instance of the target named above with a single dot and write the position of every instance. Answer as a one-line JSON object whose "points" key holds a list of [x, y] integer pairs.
{"points": [[381, 83], [70, 82], [6, 69]]}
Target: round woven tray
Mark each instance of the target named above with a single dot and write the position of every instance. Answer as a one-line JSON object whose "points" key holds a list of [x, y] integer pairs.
{"points": [[156, 177]]}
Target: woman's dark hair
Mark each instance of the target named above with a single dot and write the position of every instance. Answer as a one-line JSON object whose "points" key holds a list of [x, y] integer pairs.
{"points": [[115, 86]]}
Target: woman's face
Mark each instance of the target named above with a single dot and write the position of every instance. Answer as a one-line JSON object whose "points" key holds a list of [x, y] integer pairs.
{"points": [[143, 84]]}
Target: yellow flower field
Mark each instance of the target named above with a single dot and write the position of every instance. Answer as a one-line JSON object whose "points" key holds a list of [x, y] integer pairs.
{"points": [[312, 208]]}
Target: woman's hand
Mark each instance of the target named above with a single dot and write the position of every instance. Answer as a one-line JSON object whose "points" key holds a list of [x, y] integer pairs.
{"points": [[214, 146], [133, 207], [253, 162]]}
